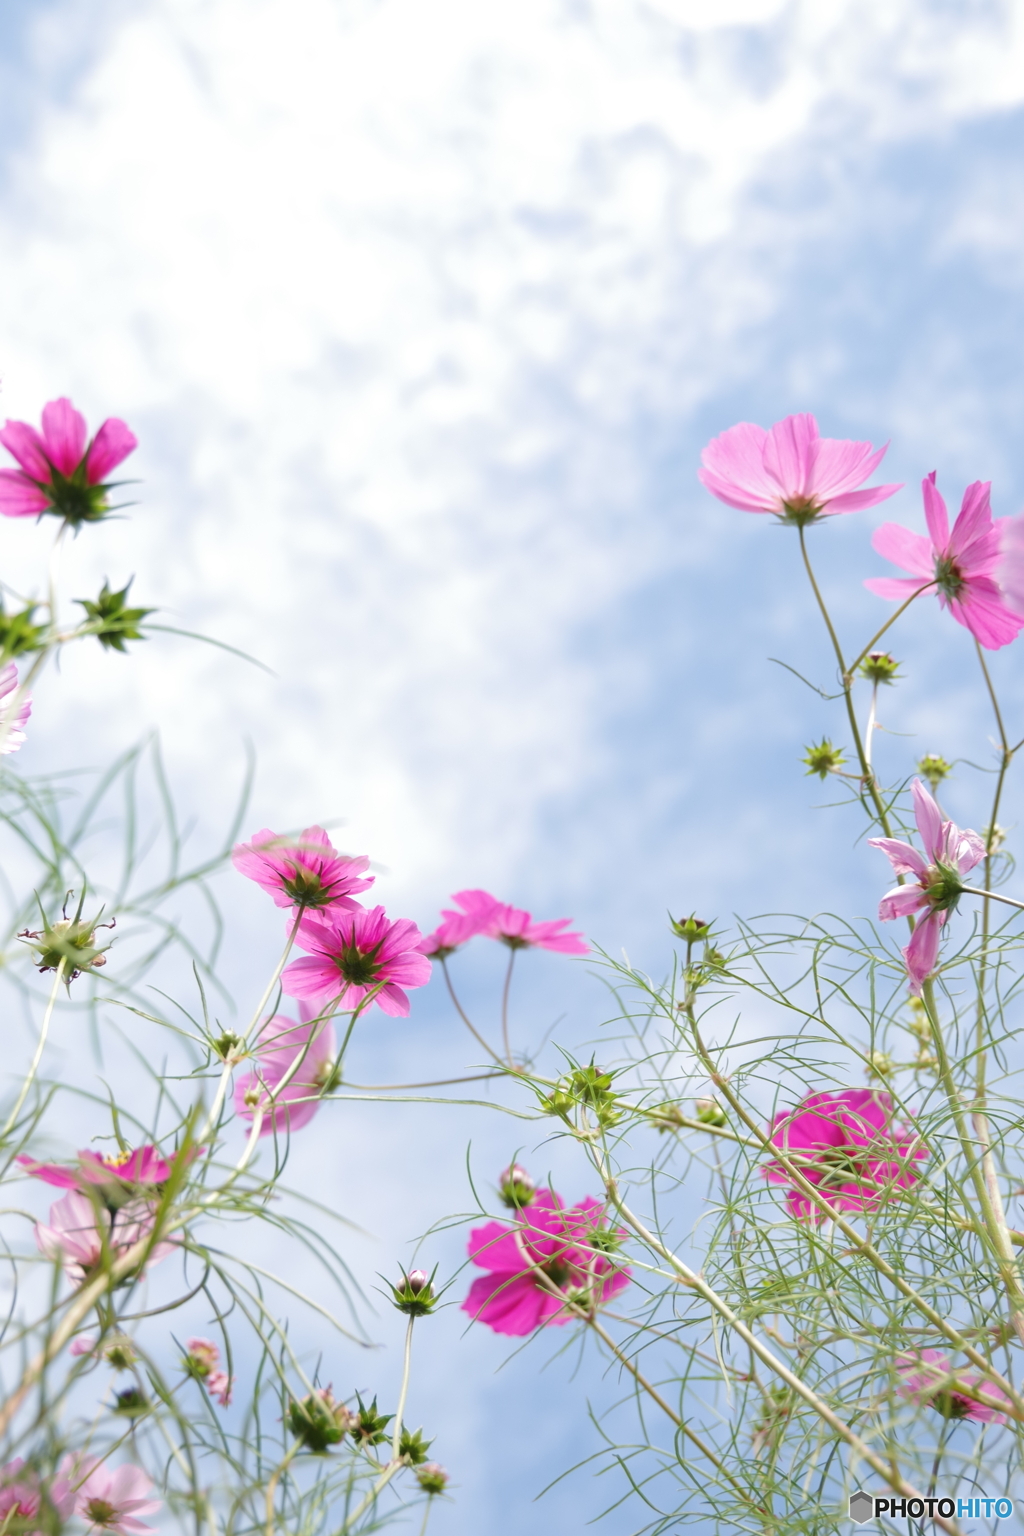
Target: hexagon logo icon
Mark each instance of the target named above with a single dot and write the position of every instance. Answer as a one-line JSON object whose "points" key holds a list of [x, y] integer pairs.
{"points": [[862, 1507]]}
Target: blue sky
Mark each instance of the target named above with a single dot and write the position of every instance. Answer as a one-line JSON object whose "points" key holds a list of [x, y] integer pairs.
{"points": [[423, 314]]}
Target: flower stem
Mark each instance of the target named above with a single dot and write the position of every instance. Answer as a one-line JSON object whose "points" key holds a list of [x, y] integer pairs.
{"points": [[400, 1410], [1008, 901], [477, 1036], [888, 624], [504, 1009], [44, 1030]]}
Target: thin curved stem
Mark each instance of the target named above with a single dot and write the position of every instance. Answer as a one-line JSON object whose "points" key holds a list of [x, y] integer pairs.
{"points": [[396, 1438], [1007, 901], [504, 1009], [44, 1030], [464, 1016], [888, 624]]}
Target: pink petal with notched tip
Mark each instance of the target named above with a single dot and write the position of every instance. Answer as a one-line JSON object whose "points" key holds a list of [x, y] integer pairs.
{"points": [[904, 859], [111, 446], [901, 901], [974, 522], [896, 588], [930, 821], [912, 551], [922, 952], [496, 1247], [513, 1305], [64, 435], [856, 501], [841, 466], [790, 452], [24, 444], [980, 608], [935, 513], [733, 469]]}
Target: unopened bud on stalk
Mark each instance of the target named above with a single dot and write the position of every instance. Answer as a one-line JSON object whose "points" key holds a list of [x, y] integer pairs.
{"points": [[934, 768], [319, 1422], [71, 941], [691, 929], [412, 1447], [879, 667], [823, 759], [370, 1427], [414, 1295], [131, 1402], [515, 1187], [432, 1477], [710, 1112]]}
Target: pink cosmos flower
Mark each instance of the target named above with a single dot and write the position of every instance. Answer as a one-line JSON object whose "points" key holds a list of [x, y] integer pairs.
{"points": [[145, 1166], [928, 1377], [219, 1385], [112, 1499], [12, 724], [351, 954], [848, 1145], [77, 1230], [304, 871], [21, 1498], [280, 1041], [60, 472], [791, 471], [950, 854], [962, 564], [547, 1247], [484, 914]]}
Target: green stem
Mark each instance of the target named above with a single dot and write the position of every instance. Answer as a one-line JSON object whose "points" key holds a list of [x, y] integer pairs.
{"points": [[888, 623], [403, 1394], [44, 1030], [846, 677]]}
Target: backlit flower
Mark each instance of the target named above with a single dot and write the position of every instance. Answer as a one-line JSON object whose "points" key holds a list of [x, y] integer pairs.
{"points": [[12, 719], [847, 1145], [22, 1498], [203, 1363], [280, 1043], [550, 1256], [950, 854], [78, 1232], [112, 1498], [59, 470], [352, 955], [791, 471], [482, 913], [119, 1173], [305, 871], [961, 565], [928, 1377]]}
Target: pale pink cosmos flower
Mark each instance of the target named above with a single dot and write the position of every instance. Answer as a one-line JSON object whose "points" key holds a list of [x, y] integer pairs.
{"points": [[848, 1145], [549, 1256], [12, 721], [928, 1377], [123, 1170], [949, 854], [281, 1040], [352, 955], [792, 471], [962, 565], [112, 1498], [305, 871], [59, 470], [219, 1385], [482, 913], [77, 1229], [22, 1498]]}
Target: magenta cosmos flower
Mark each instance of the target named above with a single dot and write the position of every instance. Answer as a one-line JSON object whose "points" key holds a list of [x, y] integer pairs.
{"points": [[353, 954], [78, 1231], [549, 1255], [482, 913], [848, 1146], [950, 855], [961, 565], [791, 471], [928, 1377], [122, 1173], [21, 1498], [112, 1498], [304, 871], [59, 470], [280, 1042], [13, 718]]}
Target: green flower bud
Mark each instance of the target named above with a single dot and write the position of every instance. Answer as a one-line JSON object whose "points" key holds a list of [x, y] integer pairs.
{"points": [[110, 621], [823, 759], [319, 1422], [432, 1477], [690, 929], [71, 941], [710, 1112], [879, 667], [131, 1402], [413, 1447], [879, 1064], [415, 1294], [370, 1427], [515, 1187], [934, 769]]}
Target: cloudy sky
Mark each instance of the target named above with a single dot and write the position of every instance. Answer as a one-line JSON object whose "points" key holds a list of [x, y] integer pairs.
{"points": [[422, 310]]}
